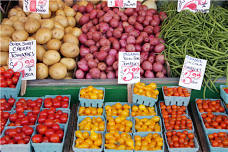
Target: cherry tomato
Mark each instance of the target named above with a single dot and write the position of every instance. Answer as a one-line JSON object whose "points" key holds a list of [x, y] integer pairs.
{"points": [[37, 138]]}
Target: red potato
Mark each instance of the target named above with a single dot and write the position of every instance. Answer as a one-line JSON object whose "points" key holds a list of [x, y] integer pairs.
{"points": [[95, 22], [113, 52], [117, 33], [95, 73], [146, 65], [115, 65], [138, 48], [130, 48], [111, 75], [162, 16], [124, 36], [132, 20], [146, 22], [146, 47], [81, 9], [89, 56], [138, 26], [90, 35], [144, 56], [160, 75], [104, 42], [110, 60], [157, 34], [96, 36], [103, 75], [156, 29], [92, 63], [142, 13], [149, 17], [116, 44], [101, 56], [139, 39], [129, 11], [85, 29], [146, 40], [140, 19], [93, 49], [110, 68], [114, 23], [122, 50], [84, 19], [84, 51], [79, 74], [104, 27], [134, 33], [151, 58], [159, 48], [93, 14], [90, 43], [89, 8], [157, 67], [82, 38], [129, 28], [154, 41], [131, 40], [160, 58], [149, 74], [83, 66], [109, 33], [148, 29], [105, 48], [108, 17], [117, 17], [102, 66], [88, 76], [125, 24], [100, 13]]}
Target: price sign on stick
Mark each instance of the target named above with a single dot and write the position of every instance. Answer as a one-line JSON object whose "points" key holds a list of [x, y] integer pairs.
{"points": [[36, 6], [122, 3], [194, 5], [22, 58], [192, 72], [129, 67]]}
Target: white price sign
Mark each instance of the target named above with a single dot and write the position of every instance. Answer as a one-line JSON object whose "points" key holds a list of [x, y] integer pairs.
{"points": [[192, 73], [194, 5], [129, 67], [36, 6], [22, 58], [122, 3]]}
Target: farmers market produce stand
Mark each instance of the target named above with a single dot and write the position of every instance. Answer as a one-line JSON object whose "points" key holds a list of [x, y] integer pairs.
{"points": [[114, 93]]}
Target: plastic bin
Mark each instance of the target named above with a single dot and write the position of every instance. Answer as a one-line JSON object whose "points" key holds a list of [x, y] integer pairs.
{"points": [[53, 96], [148, 117], [88, 150], [215, 149], [89, 115], [179, 129], [204, 127], [223, 94], [92, 102], [196, 149], [147, 101], [173, 100], [155, 108], [144, 134], [50, 147], [80, 118], [26, 98], [113, 150], [16, 147], [113, 103], [11, 92]]}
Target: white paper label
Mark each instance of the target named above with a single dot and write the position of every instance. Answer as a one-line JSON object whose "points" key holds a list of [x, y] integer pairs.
{"points": [[122, 3], [36, 6], [192, 73], [129, 67], [194, 5], [22, 58]]}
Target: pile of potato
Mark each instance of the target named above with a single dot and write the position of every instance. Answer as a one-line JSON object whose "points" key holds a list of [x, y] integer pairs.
{"points": [[55, 34]]}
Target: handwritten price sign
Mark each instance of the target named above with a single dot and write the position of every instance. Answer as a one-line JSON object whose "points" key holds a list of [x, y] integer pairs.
{"points": [[22, 58], [122, 3], [38, 6], [129, 67], [192, 73], [194, 5]]}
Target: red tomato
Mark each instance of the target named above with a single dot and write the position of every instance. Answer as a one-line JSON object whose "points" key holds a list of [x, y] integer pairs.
{"points": [[41, 129], [17, 74], [45, 139], [60, 133], [19, 109], [59, 98], [47, 103], [54, 138], [49, 122], [37, 138], [11, 101], [65, 104], [41, 119], [15, 80], [66, 99], [13, 117], [27, 130], [190, 135], [56, 127], [49, 132]]}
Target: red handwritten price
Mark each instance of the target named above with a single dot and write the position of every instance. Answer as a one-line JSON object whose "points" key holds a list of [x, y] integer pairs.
{"points": [[189, 75], [129, 73]]}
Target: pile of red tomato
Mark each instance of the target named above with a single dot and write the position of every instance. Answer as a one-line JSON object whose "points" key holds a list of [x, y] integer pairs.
{"points": [[51, 116], [176, 91], [29, 104], [219, 139], [209, 105], [215, 121], [172, 110], [18, 135], [57, 102], [48, 133], [182, 139], [6, 105], [8, 78]]}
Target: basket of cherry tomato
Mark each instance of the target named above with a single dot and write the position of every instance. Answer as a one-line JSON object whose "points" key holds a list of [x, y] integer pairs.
{"points": [[217, 140], [181, 141], [49, 137], [90, 111], [174, 95], [4, 118], [209, 105], [6, 105], [172, 109], [91, 96], [28, 104], [213, 121], [10, 83], [16, 139], [145, 94], [224, 93], [57, 101]]}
